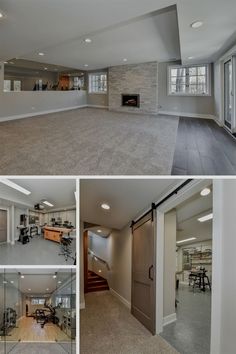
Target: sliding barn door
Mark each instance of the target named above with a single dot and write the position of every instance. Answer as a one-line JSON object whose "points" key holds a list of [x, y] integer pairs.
{"points": [[3, 226], [143, 302]]}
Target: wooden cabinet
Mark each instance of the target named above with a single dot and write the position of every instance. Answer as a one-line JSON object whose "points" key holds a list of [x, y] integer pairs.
{"points": [[52, 235]]}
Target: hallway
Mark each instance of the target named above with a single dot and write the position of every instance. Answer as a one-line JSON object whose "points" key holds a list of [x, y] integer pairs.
{"points": [[108, 327]]}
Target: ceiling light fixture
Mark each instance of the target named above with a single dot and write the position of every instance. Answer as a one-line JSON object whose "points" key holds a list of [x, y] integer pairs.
{"points": [[190, 58], [1, 15], [206, 217], [13, 185], [86, 65], [4, 282], [125, 59], [41, 54], [196, 24], [105, 206], [186, 240], [29, 289], [12, 281], [88, 40], [205, 192], [59, 282], [54, 276], [99, 231], [47, 289], [45, 68], [47, 203], [22, 276]]}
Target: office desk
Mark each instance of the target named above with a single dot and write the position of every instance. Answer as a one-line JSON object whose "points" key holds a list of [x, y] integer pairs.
{"points": [[55, 233]]}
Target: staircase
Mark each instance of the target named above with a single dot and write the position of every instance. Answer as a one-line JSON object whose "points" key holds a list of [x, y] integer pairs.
{"points": [[96, 283]]}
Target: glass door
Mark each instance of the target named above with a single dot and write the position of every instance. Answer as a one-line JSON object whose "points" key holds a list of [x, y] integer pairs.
{"points": [[228, 93]]}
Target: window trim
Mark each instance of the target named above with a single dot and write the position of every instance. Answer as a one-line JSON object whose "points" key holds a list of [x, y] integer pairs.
{"points": [[97, 73], [179, 94]]}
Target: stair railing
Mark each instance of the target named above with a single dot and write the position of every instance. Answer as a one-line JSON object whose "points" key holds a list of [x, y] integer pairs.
{"points": [[96, 258]]}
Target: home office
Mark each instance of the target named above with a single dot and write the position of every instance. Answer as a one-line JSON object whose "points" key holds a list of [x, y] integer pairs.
{"points": [[37, 221]]}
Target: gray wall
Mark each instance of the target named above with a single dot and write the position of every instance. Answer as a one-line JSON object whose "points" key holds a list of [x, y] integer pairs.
{"points": [[30, 103], [182, 104], [134, 79]]}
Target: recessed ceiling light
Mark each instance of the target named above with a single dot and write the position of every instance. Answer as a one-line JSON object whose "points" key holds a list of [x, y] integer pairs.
{"points": [[41, 54], [88, 40], [22, 276], [4, 282], [125, 59], [29, 289], [206, 217], [205, 192], [187, 239], [99, 231], [105, 206], [1, 15], [86, 65], [47, 203], [54, 276], [197, 24], [45, 68], [12, 282], [59, 282], [100, 271], [13, 185], [5, 62], [190, 58], [47, 289]]}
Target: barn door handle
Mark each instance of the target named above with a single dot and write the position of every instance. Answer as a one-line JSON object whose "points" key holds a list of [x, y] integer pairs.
{"points": [[149, 272]]}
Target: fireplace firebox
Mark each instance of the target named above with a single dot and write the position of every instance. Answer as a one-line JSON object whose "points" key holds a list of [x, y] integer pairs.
{"points": [[130, 100]]}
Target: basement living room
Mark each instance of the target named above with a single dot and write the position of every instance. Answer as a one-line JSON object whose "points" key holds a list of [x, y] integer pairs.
{"points": [[148, 90]]}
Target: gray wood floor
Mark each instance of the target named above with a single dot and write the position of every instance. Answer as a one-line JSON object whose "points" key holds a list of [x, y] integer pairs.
{"points": [[203, 148]]}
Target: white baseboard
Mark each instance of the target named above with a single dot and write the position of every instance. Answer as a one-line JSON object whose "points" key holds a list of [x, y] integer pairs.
{"points": [[33, 114], [96, 106], [184, 114], [82, 305], [169, 319], [121, 298]]}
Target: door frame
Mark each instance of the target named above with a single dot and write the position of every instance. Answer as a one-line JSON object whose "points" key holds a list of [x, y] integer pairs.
{"points": [[8, 223], [85, 246], [185, 193], [231, 58]]}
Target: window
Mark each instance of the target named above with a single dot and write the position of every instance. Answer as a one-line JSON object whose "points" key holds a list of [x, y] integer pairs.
{"points": [[37, 301], [7, 85], [63, 301], [190, 81], [98, 83], [17, 85]]}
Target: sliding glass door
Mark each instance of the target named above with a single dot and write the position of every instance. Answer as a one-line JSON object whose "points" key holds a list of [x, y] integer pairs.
{"points": [[228, 93]]}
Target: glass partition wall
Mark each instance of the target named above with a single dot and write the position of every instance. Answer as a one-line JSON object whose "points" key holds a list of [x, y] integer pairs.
{"points": [[37, 311]]}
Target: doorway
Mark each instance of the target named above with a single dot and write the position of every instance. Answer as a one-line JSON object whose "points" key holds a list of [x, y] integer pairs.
{"points": [[3, 226]]}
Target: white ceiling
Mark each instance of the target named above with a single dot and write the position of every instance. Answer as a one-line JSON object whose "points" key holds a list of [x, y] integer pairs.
{"points": [[59, 192], [38, 280], [187, 215], [127, 199], [119, 30]]}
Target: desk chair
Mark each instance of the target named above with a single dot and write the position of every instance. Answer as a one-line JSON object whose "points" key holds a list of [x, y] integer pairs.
{"points": [[65, 246]]}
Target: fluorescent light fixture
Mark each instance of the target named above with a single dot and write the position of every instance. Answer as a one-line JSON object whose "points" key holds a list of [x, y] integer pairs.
{"points": [[86, 65], [5, 62], [186, 240], [105, 206], [206, 217], [99, 231], [47, 203], [4, 282], [196, 24], [13, 185], [41, 54], [88, 40], [205, 192]]}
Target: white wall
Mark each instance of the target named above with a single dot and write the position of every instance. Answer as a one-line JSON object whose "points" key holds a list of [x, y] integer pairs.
{"points": [[169, 264], [26, 103], [182, 104], [224, 274], [65, 215], [81, 265]]}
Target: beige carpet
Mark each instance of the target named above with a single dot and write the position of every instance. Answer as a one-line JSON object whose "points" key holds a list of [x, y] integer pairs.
{"points": [[107, 327], [88, 142]]}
